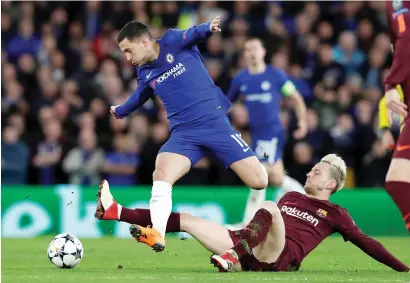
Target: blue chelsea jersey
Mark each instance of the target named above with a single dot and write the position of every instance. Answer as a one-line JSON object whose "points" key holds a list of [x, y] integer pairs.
{"points": [[179, 77], [261, 94]]}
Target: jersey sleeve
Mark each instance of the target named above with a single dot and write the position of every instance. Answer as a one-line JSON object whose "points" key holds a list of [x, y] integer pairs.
{"points": [[287, 88], [189, 37], [350, 232], [399, 25], [135, 101], [234, 90]]}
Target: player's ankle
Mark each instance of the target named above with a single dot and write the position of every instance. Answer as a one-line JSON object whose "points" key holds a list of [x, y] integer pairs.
{"points": [[231, 256], [107, 199]]}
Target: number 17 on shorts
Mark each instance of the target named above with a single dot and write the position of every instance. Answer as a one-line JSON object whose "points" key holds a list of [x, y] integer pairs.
{"points": [[237, 137]]}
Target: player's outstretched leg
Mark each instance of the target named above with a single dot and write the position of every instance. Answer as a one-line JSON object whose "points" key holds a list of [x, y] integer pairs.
{"points": [[212, 236], [266, 227], [109, 209]]}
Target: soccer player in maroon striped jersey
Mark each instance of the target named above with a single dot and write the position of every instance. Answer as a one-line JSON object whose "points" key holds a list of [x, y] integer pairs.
{"points": [[398, 177], [278, 237]]}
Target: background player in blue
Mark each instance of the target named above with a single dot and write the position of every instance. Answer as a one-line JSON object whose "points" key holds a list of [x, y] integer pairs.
{"points": [[172, 68], [260, 87]]}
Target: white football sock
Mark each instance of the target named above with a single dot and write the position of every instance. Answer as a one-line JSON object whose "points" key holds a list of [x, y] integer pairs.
{"points": [[107, 199], [160, 205], [289, 185], [255, 199]]}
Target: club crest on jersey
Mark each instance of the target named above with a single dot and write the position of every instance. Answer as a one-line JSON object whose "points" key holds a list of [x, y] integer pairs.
{"points": [[321, 213], [169, 58], [397, 4], [265, 85]]}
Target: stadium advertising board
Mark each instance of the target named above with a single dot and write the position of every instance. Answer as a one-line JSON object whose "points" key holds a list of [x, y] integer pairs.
{"points": [[31, 211]]}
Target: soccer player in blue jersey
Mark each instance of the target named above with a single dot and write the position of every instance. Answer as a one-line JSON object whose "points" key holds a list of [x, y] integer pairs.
{"points": [[172, 68], [261, 86]]}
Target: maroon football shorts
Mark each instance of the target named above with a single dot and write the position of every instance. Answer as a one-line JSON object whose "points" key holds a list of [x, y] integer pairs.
{"points": [[285, 262], [403, 143]]}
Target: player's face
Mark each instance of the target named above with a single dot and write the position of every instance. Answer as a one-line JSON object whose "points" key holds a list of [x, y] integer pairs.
{"points": [[318, 179], [135, 50], [254, 52]]}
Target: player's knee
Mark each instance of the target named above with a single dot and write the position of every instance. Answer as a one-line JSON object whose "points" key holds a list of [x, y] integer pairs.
{"points": [[260, 179], [271, 207], [158, 175]]}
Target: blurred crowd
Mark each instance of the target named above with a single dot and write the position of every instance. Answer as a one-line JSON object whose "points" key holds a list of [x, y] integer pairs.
{"points": [[62, 69]]}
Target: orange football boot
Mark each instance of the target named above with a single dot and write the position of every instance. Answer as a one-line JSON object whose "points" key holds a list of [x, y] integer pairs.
{"points": [[148, 236]]}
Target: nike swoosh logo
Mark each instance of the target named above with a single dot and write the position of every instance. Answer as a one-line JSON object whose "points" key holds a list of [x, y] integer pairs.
{"points": [[245, 149], [149, 75], [402, 147]]}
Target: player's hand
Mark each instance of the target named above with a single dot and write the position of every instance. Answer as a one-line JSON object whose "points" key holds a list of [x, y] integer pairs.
{"points": [[394, 104], [112, 111], [215, 24], [301, 131], [388, 140]]}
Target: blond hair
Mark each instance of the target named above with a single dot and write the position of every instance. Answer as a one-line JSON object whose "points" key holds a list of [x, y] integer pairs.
{"points": [[337, 169]]}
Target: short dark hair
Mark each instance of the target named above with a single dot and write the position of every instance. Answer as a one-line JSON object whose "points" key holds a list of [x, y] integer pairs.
{"points": [[133, 30]]}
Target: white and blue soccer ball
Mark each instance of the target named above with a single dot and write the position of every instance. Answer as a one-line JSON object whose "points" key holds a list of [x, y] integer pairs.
{"points": [[65, 251]]}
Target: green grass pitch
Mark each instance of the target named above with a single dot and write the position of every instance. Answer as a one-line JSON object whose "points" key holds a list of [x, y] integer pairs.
{"points": [[25, 260]]}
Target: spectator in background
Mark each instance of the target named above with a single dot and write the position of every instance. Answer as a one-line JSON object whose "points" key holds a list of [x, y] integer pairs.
{"points": [[120, 166], [83, 163], [325, 32], [326, 106], [26, 74], [375, 165], [348, 54], [365, 32], [24, 42], [15, 157], [343, 137], [49, 154], [373, 68], [319, 140], [6, 33], [92, 18], [303, 157], [14, 99], [327, 70]]}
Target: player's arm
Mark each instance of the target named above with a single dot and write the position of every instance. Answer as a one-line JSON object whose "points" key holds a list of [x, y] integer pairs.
{"points": [[195, 34], [289, 90], [135, 101], [373, 248], [234, 90]]}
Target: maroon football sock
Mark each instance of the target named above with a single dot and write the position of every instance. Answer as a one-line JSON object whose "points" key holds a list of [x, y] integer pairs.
{"points": [[143, 217], [400, 193], [254, 233]]}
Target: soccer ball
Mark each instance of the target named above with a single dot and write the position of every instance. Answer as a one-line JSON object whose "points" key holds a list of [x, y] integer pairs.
{"points": [[65, 251]]}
